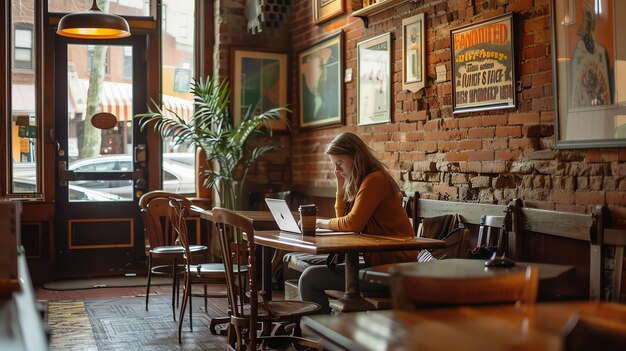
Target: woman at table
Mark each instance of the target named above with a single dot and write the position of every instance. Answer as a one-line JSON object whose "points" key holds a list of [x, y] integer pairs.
{"points": [[368, 201]]}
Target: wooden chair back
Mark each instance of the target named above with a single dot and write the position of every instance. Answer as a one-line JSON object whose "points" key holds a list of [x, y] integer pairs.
{"points": [[179, 212], [155, 212], [493, 233], [412, 292], [229, 227]]}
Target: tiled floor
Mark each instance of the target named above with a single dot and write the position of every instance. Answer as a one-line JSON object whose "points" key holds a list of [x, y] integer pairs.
{"points": [[75, 326]]}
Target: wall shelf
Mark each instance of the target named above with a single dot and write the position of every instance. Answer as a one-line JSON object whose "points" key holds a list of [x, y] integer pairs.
{"points": [[371, 10]]}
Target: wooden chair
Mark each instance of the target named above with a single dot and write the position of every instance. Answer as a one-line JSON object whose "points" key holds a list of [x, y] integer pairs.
{"points": [[198, 273], [161, 241], [427, 212], [592, 333], [492, 237], [246, 311], [411, 292]]}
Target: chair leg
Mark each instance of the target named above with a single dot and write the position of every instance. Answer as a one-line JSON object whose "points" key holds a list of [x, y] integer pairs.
{"points": [[174, 285], [190, 297], [181, 317], [206, 308], [149, 280]]}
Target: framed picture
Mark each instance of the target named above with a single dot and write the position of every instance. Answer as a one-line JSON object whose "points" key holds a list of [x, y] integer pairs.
{"points": [[589, 66], [483, 66], [374, 83], [321, 89], [413, 53], [259, 82], [323, 10]]}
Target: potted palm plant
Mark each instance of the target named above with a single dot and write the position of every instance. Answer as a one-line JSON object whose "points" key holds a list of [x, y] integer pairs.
{"points": [[229, 150]]}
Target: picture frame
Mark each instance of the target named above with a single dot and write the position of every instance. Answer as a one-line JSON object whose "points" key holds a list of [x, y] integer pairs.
{"points": [[374, 82], [259, 79], [483, 70], [320, 68], [324, 10], [413, 53], [589, 68]]}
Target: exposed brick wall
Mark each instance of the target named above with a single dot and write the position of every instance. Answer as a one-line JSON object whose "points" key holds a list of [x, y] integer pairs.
{"points": [[491, 156]]}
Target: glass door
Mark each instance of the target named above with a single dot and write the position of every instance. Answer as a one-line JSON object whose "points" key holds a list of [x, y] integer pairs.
{"points": [[101, 156]]}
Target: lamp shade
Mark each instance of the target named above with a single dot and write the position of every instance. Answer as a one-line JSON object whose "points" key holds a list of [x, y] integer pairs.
{"points": [[93, 24]]}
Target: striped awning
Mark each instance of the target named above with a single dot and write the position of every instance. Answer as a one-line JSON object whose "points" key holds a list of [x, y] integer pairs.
{"points": [[117, 98], [181, 107]]}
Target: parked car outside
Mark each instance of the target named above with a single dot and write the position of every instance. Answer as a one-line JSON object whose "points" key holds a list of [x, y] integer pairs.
{"points": [[178, 177]]}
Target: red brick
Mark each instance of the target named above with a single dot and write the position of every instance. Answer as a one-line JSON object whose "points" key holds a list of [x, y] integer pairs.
{"points": [[470, 122], [471, 144], [481, 133], [616, 198], [590, 197], [494, 120], [456, 156], [523, 118], [602, 155], [513, 131], [486, 155]]}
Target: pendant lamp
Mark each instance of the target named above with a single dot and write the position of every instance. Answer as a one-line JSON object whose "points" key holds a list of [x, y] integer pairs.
{"points": [[93, 24]]}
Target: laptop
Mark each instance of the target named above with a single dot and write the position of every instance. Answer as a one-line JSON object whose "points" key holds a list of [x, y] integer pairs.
{"points": [[284, 218]]}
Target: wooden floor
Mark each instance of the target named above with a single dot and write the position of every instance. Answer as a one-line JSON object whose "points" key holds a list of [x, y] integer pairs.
{"points": [[115, 319]]}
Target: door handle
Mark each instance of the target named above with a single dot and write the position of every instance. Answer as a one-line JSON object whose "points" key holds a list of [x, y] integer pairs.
{"points": [[64, 174]]}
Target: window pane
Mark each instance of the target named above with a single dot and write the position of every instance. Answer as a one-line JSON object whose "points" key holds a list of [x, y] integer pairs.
{"points": [[119, 7], [23, 38], [23, 129], [22, 55], [179, 174], [99, 150]]}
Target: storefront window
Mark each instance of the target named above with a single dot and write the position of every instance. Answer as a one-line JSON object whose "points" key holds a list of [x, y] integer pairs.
{"points": [[23, 128], [178, 69]]}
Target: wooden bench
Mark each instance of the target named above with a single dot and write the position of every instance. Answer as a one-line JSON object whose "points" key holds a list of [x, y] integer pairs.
{"points": [[546, 236]]}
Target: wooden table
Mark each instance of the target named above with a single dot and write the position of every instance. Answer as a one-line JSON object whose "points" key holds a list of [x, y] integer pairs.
{"points": [[262, 220], [553, 278], [502, 327], [350, 245]]}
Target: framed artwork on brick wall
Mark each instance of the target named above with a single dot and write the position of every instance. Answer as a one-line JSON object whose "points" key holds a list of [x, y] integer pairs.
{"points": [[259, 83], [413, 53], [321, 87], [374, 82], [323, 10], [483, 65], [589, 67]]}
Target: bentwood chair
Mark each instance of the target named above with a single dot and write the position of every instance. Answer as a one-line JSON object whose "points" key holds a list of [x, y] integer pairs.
{"points": [[413, 292], [165, 254], [246, 311], [199, 273]]}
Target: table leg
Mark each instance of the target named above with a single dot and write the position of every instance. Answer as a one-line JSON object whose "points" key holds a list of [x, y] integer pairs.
{"points": [[266, 271], [352, 300]]}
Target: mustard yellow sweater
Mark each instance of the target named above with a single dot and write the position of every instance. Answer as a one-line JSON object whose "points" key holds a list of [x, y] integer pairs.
{"points": [[377, 209]]}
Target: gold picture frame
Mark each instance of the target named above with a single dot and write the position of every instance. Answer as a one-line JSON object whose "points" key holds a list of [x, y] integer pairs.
{"points": [[324, 10], [320, 68], [374, 82], [483, 70], [413, 53], [259, 80]]}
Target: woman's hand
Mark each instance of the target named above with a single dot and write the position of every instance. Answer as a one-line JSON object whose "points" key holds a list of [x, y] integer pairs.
{"points": [[341, 180], [322, 223]]}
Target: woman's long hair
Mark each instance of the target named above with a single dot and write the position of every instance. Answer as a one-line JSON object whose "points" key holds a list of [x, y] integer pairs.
{"points": [[364, 163]]}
